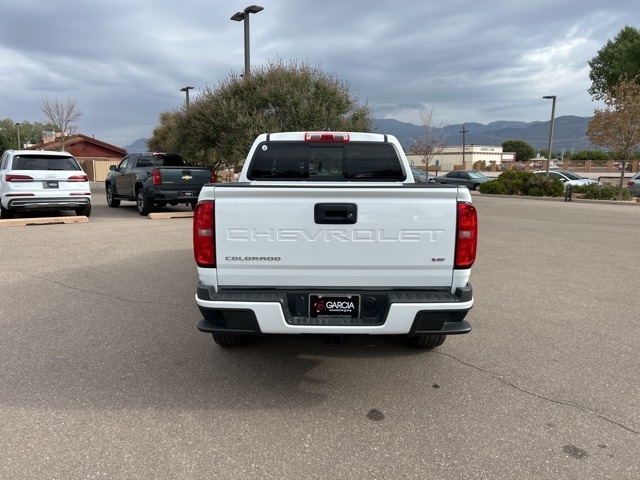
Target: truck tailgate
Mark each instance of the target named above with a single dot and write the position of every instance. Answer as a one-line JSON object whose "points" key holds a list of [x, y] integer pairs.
{"points": [[300, 236], [184, 178]]}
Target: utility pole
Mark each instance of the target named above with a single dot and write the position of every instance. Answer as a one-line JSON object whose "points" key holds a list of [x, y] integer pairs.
{"points": [[464, 132]]}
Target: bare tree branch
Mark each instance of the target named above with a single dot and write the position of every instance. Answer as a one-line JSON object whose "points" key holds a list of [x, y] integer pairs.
{"points": [[431, 141], [63, 115]]}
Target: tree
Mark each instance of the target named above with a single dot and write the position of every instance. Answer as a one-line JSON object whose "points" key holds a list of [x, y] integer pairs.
{"points": [[30, 133], [522, 149], [63, 115], [222, 122], [617, 126], [590, 154], [617, 58], [431, 141]]}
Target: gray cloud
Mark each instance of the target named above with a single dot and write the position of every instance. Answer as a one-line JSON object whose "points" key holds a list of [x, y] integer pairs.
{"points": [[125, 62]]}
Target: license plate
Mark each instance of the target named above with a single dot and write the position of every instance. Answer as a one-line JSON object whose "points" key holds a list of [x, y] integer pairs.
{"points": [[187, 194], [334, 306], [50, 184]]}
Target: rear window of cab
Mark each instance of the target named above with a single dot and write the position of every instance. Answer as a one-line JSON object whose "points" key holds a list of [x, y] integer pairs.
{"points": [[326, 161]]}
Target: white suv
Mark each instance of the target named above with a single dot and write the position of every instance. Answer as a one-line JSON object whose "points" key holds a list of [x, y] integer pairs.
{"points": [[42, 180]]}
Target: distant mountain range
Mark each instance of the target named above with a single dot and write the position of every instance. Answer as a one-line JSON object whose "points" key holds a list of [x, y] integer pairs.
{"points": [[569, 132], [138, 146]]}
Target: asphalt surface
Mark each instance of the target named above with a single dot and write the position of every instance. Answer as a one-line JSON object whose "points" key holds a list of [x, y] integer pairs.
{"points": [[103, 373]]}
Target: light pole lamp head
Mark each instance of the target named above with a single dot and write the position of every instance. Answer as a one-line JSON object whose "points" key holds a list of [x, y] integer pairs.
{"points": [[239, 16], [253, 9], [186, 89], [549, 97]]}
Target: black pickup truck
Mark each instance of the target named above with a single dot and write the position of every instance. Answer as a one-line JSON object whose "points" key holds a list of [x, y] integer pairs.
{"points": [[155, 179]]}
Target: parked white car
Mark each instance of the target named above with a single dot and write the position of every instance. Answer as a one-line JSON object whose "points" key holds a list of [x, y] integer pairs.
{"points": [[568, 178], [42, 180]]}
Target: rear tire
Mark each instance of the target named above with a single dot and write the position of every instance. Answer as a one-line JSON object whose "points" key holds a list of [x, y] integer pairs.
{"points": [[112, 202], [228, 339], [142, 203], [6, 213], [426, 341], [84, 211]]}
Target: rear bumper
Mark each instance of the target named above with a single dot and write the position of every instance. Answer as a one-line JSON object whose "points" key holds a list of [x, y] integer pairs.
{"points": [[280, 312], [35, 203], [181, 196]]}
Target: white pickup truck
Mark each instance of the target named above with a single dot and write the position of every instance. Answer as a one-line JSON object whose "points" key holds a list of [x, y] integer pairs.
{"points": [[327, 233]]}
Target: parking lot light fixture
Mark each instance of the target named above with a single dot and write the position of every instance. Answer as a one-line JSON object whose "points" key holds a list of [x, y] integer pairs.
{"points": [[186, 91], [553, 115], [244, 16]]}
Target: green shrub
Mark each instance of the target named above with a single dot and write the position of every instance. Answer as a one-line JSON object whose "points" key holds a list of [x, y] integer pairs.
{"points": [[607, 191], [518, 182], [493, 187], [543, 186]]}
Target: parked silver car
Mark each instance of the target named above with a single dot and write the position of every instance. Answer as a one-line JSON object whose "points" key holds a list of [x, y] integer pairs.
{"points": [[634, 185], [421, 176], [468, 178]]}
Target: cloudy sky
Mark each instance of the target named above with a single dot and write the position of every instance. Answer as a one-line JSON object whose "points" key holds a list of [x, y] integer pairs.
{"points": [[125, 61]]}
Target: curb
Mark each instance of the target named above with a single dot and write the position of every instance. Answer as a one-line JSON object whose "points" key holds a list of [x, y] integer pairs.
{"points": [[23, 222], [168, 215]]}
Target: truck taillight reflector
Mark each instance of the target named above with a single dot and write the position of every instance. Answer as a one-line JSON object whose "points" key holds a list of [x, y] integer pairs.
{"points": [[466, 235], [326, 137], [214, 176], [18, 178], [204, 247], [156, 178]]}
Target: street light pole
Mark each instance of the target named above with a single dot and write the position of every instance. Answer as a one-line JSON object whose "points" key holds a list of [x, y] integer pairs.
{"points": [[186, 91], [464, 132], [244, 16], [18, 128], [553, 115]]}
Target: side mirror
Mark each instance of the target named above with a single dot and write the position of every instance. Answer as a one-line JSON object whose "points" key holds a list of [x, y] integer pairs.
{"points": [[113, 168]]}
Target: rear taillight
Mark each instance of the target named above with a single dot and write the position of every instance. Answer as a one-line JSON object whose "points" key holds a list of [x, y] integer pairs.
{"points": [[466, 235], [204, 246], [78, 178], [18, 178], [214, 176], [157, 180], [629, 183]]}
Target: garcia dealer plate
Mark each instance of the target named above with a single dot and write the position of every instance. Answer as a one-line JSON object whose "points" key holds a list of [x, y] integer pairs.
{"points": [[334, 306]]}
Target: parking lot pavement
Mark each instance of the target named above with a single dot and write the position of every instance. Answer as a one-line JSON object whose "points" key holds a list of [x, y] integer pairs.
{"points": [[104, 373]]}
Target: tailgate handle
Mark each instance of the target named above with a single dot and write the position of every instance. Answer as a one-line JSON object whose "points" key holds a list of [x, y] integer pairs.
{"points": [[336, 213]]}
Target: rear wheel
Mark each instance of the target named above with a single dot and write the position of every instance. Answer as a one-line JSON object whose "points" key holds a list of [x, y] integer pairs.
{"points": [[112, 202], [6, 213], [85, 211], [426, 341], [476, 187], [228, 339], [142, 203]]}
